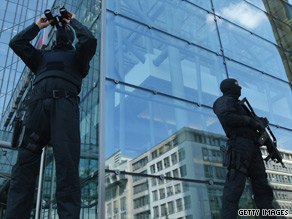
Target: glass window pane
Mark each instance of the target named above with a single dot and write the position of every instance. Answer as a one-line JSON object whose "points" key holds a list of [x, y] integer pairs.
{"points": [[206, 4], [251, 50], [138, 120], [259, 4], [269, 97], [10, 12], [145, 6], [246, 16], [284, 138], [148, 58], [189, 23], [201, 200]]}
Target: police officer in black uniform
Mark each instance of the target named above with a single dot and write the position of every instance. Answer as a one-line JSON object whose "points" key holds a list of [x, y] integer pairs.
{"points": [[52, 116], [246, 157]]}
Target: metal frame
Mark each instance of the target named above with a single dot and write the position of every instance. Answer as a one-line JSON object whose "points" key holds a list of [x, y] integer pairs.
{"points": [[101, 168]]}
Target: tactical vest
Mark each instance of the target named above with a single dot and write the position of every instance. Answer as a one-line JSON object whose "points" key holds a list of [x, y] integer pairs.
{"points": [[62, 64]]}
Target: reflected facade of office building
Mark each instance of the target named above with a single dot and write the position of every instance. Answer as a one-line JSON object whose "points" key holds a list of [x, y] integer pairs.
{"points": [[164, 63], [150, 139], [160, 184]]}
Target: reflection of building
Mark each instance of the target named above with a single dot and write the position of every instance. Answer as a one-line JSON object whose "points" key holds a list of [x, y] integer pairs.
{"points": [[118, 188], [181, 156], [281, 179], [188, 154]]}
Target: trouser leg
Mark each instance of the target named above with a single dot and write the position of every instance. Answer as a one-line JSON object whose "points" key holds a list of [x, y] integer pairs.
{"points": [[263, 193], [22, 184], [235, 184], [232, 192], [66, 144], [26, 169]]}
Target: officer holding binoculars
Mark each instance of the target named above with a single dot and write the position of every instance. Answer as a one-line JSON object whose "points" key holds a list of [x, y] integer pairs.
{"points": [[53, 113]]}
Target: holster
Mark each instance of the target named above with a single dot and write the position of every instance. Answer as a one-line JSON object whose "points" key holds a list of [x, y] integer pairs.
{"points": [[226, 155], [227, 152], [17, 129], [231, 159]]}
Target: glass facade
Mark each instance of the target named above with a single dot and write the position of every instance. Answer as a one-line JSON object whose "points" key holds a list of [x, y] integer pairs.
{"points": [[14, 17], [150, 141], [164, 63]]}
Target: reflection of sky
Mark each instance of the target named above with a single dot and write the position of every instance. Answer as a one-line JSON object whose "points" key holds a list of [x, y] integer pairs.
{"points": [[244, 15], [284, 138], [247, 16], [140, 120]]}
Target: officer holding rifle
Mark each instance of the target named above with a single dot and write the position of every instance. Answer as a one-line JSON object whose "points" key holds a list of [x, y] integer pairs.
{"points": [[243, 157]]}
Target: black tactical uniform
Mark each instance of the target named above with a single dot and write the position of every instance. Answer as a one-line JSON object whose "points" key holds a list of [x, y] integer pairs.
{"points": [[52, 116], [246, 160]]}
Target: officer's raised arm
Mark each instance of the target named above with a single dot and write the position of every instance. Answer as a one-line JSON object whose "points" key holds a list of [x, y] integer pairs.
{"points": [[86, 44], [21, 45]]}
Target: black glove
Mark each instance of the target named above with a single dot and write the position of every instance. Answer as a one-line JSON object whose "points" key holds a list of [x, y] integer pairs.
{"points": [[254, 125]]}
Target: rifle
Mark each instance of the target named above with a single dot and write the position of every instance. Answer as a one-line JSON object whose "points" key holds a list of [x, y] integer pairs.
{"points": [[265, 135]]}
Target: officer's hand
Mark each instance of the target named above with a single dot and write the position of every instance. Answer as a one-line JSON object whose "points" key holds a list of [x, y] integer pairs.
{"points": [[43, 22], [71, 16], [255, 125]]}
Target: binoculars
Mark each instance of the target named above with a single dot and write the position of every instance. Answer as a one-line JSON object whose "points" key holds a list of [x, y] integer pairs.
{"points": [[58, 19]]}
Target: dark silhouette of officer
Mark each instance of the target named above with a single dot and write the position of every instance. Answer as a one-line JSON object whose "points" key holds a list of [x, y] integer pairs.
{"points": [[246, 157], [52, 115]]}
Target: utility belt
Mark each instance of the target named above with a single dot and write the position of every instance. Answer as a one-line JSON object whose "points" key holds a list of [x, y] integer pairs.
{"points": [[55, 94], [20, 130]]}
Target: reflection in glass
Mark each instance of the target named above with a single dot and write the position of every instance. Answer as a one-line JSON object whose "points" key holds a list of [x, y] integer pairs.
{"points": [[190, 200], [148, 58], [152, 8], [189, 23], [137, 120], [206, 4], [258, 3], [246, 16], [284, 138], [251, 50], [269, 97]]}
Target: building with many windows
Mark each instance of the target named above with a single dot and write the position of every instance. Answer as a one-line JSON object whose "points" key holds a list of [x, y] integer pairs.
{"points": [[14, 17], [149, 137], [167, 191]]}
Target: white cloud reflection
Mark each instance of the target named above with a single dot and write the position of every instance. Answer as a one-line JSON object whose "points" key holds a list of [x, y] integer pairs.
{"points": [[243, 15]]}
